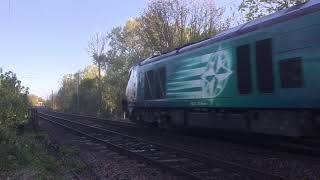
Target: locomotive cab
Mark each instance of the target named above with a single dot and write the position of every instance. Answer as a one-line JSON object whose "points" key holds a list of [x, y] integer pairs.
{"points": [[132, 88]]}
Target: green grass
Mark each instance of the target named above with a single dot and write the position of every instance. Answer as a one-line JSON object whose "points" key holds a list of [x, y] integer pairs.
{"points": [[22, 156]]}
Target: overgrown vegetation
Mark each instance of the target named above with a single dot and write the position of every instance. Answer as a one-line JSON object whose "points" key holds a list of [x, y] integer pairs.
{"points": [[20, 154], [13, 100], [23, 156], [26, 156]]}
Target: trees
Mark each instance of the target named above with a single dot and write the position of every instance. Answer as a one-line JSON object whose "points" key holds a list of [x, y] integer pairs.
{"points": [[164, 26], [253, 9], [96, 49], [124, 51], [169, 24], [66, 97], [19, 151], [13, 100], [33, 99]]}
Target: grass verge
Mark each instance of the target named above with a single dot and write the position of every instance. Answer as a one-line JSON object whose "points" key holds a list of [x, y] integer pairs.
{"points": [[31, 155], [22, 156]]}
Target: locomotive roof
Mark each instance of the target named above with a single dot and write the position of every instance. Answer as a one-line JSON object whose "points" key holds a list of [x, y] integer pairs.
{"points": [[278, 17]]}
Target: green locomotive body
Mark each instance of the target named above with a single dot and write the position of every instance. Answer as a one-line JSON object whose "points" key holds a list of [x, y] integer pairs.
{"points": [[263, 76]]}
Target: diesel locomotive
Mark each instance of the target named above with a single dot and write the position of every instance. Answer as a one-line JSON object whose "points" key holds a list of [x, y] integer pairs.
{"points": [[261, 77]]}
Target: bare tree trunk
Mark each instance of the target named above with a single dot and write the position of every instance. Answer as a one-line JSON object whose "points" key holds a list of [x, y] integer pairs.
{"points": [[99, 90], [97, 48]]}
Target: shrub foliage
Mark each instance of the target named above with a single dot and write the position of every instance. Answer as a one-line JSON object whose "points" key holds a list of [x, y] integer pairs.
{"points": [[13, 100]]}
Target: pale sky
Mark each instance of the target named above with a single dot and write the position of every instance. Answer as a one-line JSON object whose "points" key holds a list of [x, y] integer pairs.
{"points": [[42, 40]]}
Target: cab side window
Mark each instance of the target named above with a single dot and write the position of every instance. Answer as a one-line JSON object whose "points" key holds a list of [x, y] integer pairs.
{"points": [[155, 84], [149, 85], [160, 83], [244, 69], [264, 66]]}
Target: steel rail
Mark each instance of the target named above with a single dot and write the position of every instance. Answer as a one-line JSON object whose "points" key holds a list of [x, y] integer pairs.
{"points": [[191, 155], [102, 120], [126, 152], [76, 175], [294, 146]]}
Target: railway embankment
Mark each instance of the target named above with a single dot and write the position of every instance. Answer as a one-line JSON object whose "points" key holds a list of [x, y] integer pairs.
{"points": [[26, 153]]}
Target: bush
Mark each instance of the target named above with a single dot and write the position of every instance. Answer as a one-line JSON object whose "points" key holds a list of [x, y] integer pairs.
{"points": [[20, 152], [13, 100]]}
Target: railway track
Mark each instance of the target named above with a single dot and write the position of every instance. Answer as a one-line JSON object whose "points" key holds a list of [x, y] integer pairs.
{"points": [[303, 147], [74, 175], [181, 162], [93, 119], [263, 157]]}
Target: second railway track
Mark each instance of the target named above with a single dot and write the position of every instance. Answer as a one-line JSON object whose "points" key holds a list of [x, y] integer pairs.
{"points": [[181, 162]]}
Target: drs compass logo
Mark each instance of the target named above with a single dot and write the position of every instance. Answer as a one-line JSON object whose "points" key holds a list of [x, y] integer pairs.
{"points": [[203, 76], [216, 74]]}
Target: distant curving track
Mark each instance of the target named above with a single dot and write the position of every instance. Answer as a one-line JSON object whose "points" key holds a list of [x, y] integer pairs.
{"points": [[179, 161], [92, 119]]}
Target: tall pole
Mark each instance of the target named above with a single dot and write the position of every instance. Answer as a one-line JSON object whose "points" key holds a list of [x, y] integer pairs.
{"points": [[78, 99], [99, 89], [52, 100]]}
